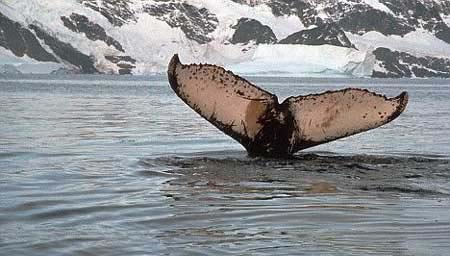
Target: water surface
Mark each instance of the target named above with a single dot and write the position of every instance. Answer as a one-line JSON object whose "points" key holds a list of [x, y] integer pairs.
{"points": [[107, 165]]}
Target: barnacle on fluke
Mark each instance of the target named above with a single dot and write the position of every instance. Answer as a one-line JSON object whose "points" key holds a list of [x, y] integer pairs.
{"points": [[265, 127]]}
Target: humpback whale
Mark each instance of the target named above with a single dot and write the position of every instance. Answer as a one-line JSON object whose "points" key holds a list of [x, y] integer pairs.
{"points": [[254, 117]]}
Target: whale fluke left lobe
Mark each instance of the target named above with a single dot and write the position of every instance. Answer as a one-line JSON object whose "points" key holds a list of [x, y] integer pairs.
{"points": [[229, 102]]}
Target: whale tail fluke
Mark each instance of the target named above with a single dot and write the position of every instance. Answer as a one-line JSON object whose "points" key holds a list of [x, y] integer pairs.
{"points": [[254, 118]]}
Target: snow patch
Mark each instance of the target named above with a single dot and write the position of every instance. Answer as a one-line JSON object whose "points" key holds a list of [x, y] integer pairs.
{"points": [[379, 6], [153, 42], [446, 19]]}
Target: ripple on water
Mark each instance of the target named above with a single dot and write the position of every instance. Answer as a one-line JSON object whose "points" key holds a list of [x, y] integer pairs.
{"points": [[404, 175]]}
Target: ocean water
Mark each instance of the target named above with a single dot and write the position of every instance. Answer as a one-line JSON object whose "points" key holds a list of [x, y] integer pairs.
{"points": [[108, 165]]}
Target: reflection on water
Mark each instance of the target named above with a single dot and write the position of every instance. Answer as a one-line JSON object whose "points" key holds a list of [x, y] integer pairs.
{"points": [[105, 165]]}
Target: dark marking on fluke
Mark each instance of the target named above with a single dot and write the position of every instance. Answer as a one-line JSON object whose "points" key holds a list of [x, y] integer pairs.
{"points": [[279, 128]]}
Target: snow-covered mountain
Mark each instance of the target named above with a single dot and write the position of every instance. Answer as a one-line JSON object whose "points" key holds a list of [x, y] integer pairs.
{"points": [[378, 38]]}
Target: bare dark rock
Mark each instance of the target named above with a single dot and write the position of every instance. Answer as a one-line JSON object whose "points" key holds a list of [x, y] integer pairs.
{"points": [[125, 69], [66, 51], [324, 34], [248, 30], [401, 64], [117, 59], [81, 24], [125, 63]]}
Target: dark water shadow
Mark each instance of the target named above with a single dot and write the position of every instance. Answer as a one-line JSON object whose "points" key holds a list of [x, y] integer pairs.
{"points": [[315, 203], [419, 174]]}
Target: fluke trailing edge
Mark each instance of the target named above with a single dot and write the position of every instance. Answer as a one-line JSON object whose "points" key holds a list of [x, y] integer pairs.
{"points": [[254, 118]]}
